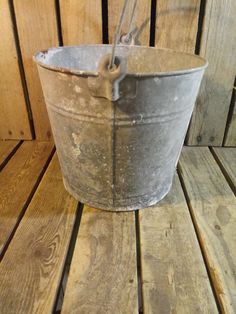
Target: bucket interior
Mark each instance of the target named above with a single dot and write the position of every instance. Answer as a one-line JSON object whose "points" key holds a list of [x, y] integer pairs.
{"points": [[140, 60]]}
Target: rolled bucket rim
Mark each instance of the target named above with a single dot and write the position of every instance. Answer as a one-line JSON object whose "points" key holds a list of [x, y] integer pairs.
{"points": [[77, 72]]}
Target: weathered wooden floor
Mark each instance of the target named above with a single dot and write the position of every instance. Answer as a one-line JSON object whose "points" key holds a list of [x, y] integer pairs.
{"points": [[58, 255]]}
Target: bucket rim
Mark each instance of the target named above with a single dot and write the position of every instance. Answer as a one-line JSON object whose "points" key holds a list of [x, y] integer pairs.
{"points": [[77, 72]]}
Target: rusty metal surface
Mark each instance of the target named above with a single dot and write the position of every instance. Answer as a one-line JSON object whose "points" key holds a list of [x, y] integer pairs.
{"points": [[119, 154]]}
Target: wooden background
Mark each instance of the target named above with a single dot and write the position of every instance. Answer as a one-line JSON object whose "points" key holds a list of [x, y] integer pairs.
{"points": [[206, 27]]}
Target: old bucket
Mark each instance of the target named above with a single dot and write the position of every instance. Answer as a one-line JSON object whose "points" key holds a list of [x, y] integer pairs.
{"points": [[119, 133]]}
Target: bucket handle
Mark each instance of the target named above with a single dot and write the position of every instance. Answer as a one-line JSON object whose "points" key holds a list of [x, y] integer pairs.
{"points": [[117, 35], [112, 69]]}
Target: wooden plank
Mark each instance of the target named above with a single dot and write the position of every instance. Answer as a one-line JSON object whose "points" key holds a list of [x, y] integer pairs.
{"points": [[14, 120], [210, 115], [227, 159], [103, 277], [174, 278], [213, 207], [37, 28], [17, 181], [6, 148], [230, 139], [177, 24], [142, 19], [81, 21], [31, 269]]}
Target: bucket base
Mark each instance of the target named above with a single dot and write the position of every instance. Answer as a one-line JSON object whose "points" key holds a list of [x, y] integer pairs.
{"points": [[140, 204]]}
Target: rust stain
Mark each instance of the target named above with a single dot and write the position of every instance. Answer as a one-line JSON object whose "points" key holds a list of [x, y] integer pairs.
{"points": [[218, 288], [214, 277]]}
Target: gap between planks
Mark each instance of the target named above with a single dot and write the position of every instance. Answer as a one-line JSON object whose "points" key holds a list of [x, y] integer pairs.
{"points": [[7, 150], [212, 205], [64, 278], [139, 263], [198, 235], [22, 70], [20, 179], [226, 159]]}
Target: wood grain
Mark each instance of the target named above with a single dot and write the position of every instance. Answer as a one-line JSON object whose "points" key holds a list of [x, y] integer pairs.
{"points": [[14, 121], [177, 24], [174, 278], [17, 180], [81, 21], [31, 269], [227, 159], [230, 139], [218, 46], [103, 277], [37, 29], [6, 147], [142, 19], [213, 206]]}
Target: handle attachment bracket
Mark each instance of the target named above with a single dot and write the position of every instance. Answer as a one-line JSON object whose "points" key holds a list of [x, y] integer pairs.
{"points": [[106, 84]]}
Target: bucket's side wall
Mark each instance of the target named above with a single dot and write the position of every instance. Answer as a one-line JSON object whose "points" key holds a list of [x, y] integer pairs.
{"points": [[119, 155], [150, 131], [82, 129]]}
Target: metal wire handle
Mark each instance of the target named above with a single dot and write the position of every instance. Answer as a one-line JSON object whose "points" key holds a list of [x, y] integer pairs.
{"points": [[118, 30], [130, 28]]}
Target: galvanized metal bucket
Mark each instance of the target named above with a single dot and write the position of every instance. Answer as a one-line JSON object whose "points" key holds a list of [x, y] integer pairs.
{"points": [[119, 132]]}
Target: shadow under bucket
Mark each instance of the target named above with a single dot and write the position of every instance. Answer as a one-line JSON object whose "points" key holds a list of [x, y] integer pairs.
{"points": [[119, 133]]}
